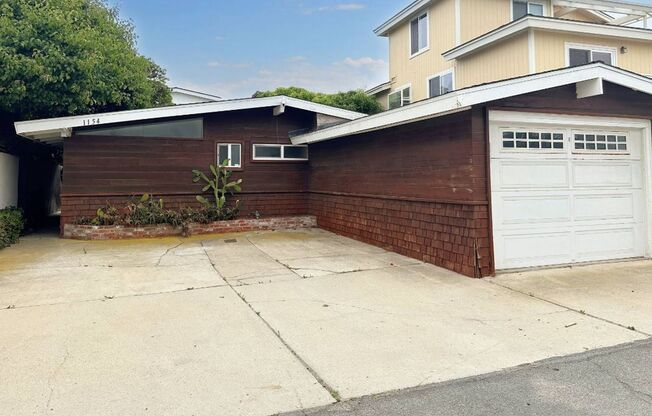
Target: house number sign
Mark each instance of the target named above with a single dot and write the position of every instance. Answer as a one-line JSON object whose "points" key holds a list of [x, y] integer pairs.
{"points": [[91, 121]]}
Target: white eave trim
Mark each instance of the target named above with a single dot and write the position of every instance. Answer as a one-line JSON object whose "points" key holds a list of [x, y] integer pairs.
{"points": [[467, 98], [612, 6], [547, 23], [51, 128], [379, 88], [400, 17], [197, 94]]}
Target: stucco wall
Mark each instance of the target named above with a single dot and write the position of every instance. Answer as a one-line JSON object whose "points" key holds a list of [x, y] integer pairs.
{"points": [[8, 180]]}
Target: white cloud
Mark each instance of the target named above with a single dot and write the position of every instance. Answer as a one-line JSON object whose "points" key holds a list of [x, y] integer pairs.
{"points": [[343, 75], [364, 62], [342, 7], [218, 64]]}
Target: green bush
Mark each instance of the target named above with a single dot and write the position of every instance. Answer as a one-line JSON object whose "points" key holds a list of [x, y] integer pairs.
{"points": [[11, 225]]}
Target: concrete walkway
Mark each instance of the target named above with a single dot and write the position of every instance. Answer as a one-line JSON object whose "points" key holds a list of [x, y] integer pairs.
{"points": [[262, 323]]}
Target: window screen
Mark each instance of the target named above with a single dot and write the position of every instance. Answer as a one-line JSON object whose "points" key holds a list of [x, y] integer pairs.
{"points": [[178, 129], [520, 9]]}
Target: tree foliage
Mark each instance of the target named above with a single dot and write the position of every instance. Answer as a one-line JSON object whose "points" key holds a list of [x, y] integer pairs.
{"points": [[67, 57], [356, 100]]}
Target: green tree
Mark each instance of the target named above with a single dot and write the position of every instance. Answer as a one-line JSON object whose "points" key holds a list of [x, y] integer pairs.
{"points": [[356, 100], [68, 57]]}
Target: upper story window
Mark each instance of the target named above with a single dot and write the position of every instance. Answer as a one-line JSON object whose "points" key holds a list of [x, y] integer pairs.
{"points": [[231, 152], [521, 8], [441, 84], [280, 152], [584, 54], [399, 98], [419, 34], [176, 129]]}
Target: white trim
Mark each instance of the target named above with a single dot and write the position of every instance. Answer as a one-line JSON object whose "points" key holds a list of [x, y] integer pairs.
{"points": [[281, 147], [440, 74], [466, 98], [619, 124], [379, 88], [196, 94], [593, 48], [458, 22], [49, 130], [532, 52], [546, 23], [613, 6], [230, 155], [400, 17], [417, 17]]}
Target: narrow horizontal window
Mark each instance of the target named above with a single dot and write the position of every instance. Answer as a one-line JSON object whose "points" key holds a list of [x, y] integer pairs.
{"points": [[533, 140], [176, 129], [231, 152], [600, 142], [581, 56], [280, 152]]}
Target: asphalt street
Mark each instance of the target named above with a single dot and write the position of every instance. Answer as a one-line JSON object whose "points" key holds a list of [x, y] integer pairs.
{"points": [[610, 381]]}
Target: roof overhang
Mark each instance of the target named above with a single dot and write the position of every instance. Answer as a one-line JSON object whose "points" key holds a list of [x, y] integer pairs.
{"points": [[195, 94], [385, 86], [587, 78], [400, 17], [53, 130], [546, 23]]}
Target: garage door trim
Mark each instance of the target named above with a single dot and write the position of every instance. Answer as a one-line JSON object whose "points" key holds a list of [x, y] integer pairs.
{"points": [[500, 119]]}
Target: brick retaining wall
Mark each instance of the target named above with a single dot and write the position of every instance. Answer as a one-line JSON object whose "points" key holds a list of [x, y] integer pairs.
{"points": [[92, 232]]}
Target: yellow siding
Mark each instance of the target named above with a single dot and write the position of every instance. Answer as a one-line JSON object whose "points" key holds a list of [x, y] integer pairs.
{"points": [[405, 70], [481, 16], [506, 59], [551, 51]]}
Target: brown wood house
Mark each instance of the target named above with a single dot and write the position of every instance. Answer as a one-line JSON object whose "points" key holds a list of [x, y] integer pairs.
{"points": [[546, 169]]}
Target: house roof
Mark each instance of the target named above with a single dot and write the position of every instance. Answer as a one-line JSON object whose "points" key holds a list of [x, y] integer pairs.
{"points": [[614, 6], [53, 130], [588, 79], [379, 88], [195, 94], [546, 23]]}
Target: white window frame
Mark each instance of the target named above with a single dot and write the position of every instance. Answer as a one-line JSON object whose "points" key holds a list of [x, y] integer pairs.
{"points": [[401, 90], [592, 48], [441, 74], [282, 147], [230, 155], [427, 47], [546, 9]]}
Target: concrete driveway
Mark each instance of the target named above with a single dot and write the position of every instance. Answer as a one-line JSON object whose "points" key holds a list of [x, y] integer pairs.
{"points": [[261, 323]]}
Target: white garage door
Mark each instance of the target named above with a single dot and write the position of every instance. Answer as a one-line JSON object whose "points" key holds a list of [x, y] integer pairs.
{"points": [[566, 193]]}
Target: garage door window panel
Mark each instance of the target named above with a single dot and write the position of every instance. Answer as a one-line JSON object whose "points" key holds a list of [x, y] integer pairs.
{"points": [[527, 140], [601, 142]]}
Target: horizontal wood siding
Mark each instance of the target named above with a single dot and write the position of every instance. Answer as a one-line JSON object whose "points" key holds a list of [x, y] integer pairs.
{"points": [[419, 190], [113, 168]]}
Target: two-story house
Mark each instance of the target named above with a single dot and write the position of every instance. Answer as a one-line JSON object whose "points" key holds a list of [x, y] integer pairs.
{"points": [[436, 46]]}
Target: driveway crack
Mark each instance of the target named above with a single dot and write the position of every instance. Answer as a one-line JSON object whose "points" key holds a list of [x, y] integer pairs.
{"points": [[53, 376], [647, 397]]}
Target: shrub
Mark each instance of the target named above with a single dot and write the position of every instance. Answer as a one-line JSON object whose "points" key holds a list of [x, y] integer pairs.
{"points": [[220, 186], [150, 211], [11, 225]]}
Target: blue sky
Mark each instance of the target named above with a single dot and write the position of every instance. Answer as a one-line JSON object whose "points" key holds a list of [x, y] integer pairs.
{"points": [[233, 48]]}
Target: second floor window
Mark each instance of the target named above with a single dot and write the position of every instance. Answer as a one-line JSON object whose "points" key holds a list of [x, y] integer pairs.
{"points": [[399, 98], [440, 84], [580, 55], [419, 34], [522, 8]]}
